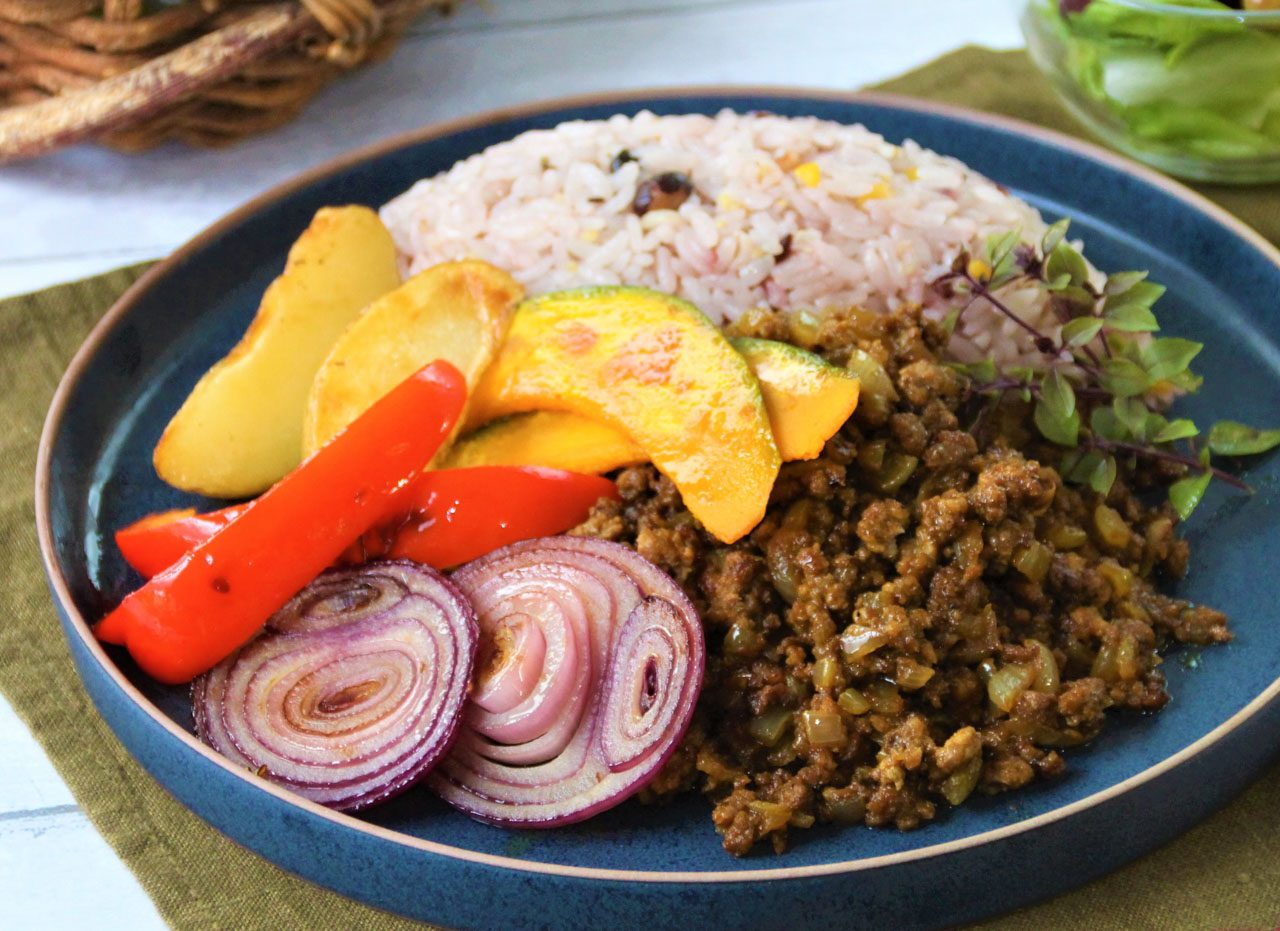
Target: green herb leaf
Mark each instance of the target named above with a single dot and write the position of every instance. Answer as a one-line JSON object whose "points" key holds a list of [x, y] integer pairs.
{"points": [[983, 371], [1056, 428], [1152, 424], [1103, 475], [998, 246], [1054, 235], [1081, 355], [1070, 462], [1186, 493], [1133, 413], [1105, 424], [1058, 395], [950, 320], [1081, 330], [1057, 284], [1129, 310], [1124, 347], [1163, 358], [1181, 429], [1078, 465], [1005, 272], [1141, 293], [1079, 302], [1064, 260], [1186, 381], [1121, 282], [1004, 265], [1022, 372], [1124, 378], [1228, 438], [1131, 318]]}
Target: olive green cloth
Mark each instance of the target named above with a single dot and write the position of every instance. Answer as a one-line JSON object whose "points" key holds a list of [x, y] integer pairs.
{"points": [[1225, 873]]}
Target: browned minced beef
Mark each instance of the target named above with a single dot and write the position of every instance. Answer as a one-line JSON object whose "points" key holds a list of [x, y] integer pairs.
{"points": [[925, 611]]}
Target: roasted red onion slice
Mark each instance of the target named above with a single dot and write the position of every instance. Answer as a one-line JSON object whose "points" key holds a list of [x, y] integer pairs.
{"points": [[590, 666], [354, 690]]}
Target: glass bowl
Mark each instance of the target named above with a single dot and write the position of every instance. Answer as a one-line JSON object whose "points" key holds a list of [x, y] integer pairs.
{"points": [[1191, 87]]}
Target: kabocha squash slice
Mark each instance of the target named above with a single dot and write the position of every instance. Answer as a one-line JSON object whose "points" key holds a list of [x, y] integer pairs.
{"points": [[658, 370], [455, 311], [240, 430], [554, 439], [807, 399]]}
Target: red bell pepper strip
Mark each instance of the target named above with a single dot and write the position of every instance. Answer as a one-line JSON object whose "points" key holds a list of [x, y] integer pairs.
{"points": [[458, 515], [157, 541], [451, 516], [204, 607]]}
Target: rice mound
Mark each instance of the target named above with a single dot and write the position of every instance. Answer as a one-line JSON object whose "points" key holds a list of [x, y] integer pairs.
{"points": [[794, 213]]}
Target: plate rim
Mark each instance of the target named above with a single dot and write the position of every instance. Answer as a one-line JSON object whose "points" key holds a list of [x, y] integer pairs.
{"points": [[434, 130]]}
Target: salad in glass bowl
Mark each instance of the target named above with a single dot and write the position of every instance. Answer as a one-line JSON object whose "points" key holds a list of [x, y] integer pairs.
{"points": [[1191, 87]]}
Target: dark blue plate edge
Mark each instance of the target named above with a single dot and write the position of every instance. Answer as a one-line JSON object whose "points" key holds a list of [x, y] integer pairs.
{"points": [[1249, 718]]}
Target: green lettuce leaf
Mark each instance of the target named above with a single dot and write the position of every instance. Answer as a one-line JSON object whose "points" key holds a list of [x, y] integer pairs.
{"points": [[1203, 85], [1103, 20]]}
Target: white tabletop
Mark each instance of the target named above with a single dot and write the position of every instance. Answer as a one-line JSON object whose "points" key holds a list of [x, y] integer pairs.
{"points": [[87, 210]]}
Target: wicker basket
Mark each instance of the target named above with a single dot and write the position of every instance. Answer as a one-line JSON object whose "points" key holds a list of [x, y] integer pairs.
{"points": [[134, 73]]}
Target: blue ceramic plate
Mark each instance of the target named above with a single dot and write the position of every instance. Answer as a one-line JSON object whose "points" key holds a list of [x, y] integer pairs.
{"points": [[1143, 782]]}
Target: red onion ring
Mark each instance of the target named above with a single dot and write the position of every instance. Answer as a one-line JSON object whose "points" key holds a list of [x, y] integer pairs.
{"points": [[353, 691], [591, 664]]}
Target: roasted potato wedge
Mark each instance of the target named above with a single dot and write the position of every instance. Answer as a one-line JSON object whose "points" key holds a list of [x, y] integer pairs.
{"points": [[240, 429], [456, 311]]}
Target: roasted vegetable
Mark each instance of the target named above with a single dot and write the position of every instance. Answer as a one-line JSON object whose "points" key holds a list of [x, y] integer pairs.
{"points": [[590, 665], [807, 400], [196, 613], [241, 428], [555, 439], [457, 311], [447, 517], [355, 689], [658, 370]]}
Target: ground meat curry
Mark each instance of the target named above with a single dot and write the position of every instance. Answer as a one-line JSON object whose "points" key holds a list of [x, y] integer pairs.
{"points": [[927, 610]]}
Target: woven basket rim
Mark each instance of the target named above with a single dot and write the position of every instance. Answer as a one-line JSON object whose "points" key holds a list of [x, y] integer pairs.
{"points": [[208, 72]]}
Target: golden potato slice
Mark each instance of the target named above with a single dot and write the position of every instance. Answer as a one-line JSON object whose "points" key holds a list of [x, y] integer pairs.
{"points": [[457, 311], [240, 430]]}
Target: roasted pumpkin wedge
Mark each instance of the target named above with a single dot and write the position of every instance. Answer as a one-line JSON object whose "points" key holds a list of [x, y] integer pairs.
{"points": [[658, 370], [554, 439], [240, 430], [808, 398], [455, 311]]}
